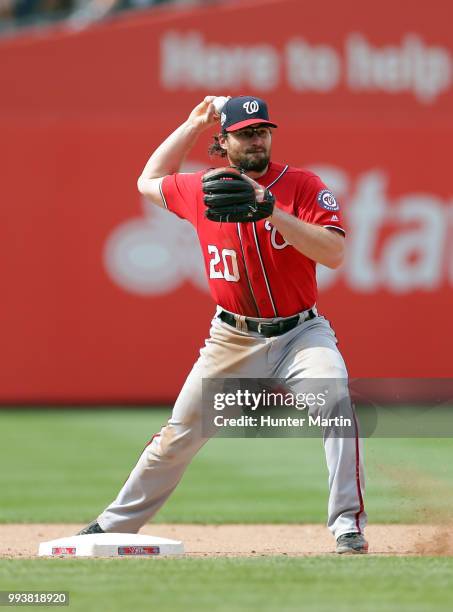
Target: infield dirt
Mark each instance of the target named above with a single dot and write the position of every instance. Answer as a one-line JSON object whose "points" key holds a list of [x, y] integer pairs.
{"points": [[21, 541]]}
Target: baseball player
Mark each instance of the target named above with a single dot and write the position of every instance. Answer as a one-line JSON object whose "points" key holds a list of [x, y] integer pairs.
{"points": [[262, 227]]}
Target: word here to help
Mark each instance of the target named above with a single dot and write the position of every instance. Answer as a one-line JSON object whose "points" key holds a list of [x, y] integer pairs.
{"points": [[409, 65]]}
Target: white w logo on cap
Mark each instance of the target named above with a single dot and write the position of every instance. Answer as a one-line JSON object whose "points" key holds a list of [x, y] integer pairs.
{"points": [[251, 107]]}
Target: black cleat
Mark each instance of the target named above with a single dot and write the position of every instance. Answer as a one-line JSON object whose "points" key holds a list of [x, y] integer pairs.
{"points": [[352, 544], [93, 527]]}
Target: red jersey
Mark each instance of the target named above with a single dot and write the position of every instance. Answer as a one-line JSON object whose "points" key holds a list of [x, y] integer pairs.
{"points": [[251, 270]]}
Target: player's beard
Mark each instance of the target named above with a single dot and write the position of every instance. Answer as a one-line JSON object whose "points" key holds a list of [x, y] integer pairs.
{"points": [[251, 162]]}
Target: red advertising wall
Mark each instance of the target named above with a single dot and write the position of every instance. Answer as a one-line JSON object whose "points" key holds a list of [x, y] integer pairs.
{"points": [[103, 296]]}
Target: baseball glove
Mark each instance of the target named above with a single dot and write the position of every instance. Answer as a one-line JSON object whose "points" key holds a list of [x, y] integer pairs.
{"points": [[231, 198]]}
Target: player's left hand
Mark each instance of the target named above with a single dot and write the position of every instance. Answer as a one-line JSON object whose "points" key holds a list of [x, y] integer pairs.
{"points": [[232, 197], [260, 191]]}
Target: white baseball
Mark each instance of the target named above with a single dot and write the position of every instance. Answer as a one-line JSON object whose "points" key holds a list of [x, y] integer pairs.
{"points": [[219, 103]]}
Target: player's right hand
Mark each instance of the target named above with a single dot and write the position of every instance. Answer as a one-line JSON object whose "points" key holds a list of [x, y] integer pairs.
{"points": [[204, 115]]}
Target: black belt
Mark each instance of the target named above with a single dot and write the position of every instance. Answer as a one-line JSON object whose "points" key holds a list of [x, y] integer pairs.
{"points": [[267, 329]]}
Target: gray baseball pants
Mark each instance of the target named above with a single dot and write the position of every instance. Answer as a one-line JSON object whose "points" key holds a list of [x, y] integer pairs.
{"points": [[308, 351]]}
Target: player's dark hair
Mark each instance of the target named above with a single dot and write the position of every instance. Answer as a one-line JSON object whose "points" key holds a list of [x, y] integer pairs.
{"points": [[215, 149]]}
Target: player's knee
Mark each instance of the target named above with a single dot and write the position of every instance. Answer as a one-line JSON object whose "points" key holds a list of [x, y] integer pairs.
{"points": [[174, 442]]}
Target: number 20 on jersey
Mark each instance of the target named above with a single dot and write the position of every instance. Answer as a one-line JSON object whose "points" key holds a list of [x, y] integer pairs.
{"points": [[223, 264]]}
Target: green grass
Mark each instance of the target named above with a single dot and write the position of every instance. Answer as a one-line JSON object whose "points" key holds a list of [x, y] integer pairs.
{"points": [[65, 466], [365, 584]]}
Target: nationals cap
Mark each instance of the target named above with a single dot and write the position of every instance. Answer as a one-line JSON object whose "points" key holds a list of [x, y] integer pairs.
{"points": [[242, 111]]}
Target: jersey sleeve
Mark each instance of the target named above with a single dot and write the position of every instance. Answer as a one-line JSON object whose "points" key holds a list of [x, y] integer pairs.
{"points": [[317, 204], [179, 195]]}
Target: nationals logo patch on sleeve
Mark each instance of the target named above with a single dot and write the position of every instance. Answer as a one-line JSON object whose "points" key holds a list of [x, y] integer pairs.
{"points": [[327, 200]]}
